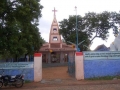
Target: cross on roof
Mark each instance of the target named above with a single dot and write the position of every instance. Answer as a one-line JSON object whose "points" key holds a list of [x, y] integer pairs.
{"points": [[75, 8], [54, 11]]}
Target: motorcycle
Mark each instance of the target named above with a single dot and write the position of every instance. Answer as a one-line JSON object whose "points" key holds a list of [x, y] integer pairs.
{"points": [[7, 80]]}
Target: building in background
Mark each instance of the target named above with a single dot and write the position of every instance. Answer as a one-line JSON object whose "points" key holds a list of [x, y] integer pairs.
{"points": [[102, 48], [115, 46]]}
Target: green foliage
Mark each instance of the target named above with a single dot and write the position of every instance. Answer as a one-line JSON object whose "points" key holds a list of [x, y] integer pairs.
{"points": [[18, 27], [104, 78], [28, 81], [97, 25], [114, 21], [68, 31]]}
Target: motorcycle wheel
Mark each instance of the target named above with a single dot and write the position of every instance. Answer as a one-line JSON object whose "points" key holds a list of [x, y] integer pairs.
{"points": [[19, 83], [1, 84]]}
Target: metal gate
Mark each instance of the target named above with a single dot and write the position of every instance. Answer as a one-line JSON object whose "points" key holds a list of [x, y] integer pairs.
{"points": [[71, 65]]}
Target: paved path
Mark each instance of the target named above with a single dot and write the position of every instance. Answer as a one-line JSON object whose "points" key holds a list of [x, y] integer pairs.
{"points": [[82, 87], [70, 84]]}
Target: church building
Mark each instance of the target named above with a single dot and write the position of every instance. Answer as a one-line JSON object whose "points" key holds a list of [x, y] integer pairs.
{"points": [[56, 51]]}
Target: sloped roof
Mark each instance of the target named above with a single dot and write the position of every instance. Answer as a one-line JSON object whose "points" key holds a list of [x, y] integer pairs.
{"points": [[101, 48]]}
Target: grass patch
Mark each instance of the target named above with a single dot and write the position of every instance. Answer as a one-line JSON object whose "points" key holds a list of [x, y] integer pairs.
{"points": [[28, 81], [104, 78]]}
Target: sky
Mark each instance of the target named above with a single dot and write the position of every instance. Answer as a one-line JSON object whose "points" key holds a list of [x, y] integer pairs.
{"points": [[67, 7]]}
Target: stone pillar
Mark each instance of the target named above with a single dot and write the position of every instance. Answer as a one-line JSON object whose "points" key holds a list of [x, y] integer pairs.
{"points": [[37, 67], [79, 68]]}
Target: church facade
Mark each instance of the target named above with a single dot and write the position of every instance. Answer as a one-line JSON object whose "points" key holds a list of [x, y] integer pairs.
{"points": [[56, 51]]}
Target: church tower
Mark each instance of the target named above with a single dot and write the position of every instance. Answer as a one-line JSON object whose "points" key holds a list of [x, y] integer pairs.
{"points": [[56, 51], [54, 36]]}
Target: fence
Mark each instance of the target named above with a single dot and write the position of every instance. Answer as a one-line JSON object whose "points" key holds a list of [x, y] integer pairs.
{"points": [[71, 65], [99, 64], [31, 70], [14, 68]]}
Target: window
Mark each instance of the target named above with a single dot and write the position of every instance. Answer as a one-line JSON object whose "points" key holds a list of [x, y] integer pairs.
{"points": [[55, 38], [54, 29]]}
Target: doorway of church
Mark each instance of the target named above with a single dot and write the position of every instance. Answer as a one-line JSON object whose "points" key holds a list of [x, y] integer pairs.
{"points": [[65, 57], [55, 57]]}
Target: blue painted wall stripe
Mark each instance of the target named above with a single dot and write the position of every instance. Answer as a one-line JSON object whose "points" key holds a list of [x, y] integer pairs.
{"points": [[101, 63], [99, 68]]}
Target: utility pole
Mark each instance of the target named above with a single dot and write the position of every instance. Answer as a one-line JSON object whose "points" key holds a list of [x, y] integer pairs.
{"points": [[76, 31]]}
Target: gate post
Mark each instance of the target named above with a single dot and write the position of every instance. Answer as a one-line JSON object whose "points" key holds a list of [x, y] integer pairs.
{"points": [[37, 67], [79, 68]]}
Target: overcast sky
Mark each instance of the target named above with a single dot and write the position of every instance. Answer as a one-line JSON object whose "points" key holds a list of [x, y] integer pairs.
{"points": [[67, 7]]}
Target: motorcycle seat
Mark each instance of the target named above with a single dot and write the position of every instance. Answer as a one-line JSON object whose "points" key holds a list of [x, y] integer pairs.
{"points": [[17, 76]]}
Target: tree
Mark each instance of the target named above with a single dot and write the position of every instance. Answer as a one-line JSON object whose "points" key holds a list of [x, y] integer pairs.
{"points": [[68, 31], [18, 27], [115, 22], [97, 25], [91, 26]]}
